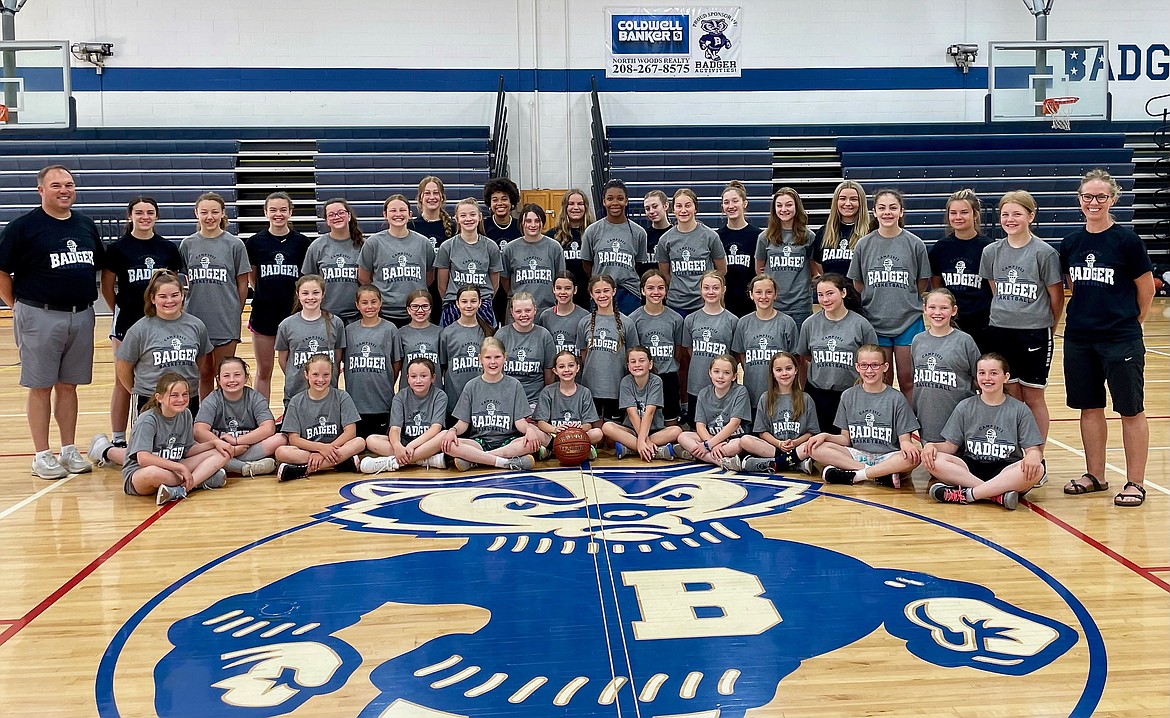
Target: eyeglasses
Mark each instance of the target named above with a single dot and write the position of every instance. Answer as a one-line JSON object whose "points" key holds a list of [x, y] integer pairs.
{"points": [[418, 307], [340, 214], [871, 366], [1098, 198]]}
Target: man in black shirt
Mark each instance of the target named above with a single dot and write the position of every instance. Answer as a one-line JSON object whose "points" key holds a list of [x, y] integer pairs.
{"points": [[48, 261]]}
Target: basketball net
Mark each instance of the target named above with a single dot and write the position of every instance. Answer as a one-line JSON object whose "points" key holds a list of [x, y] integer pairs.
{"points": [[1060, 110]]}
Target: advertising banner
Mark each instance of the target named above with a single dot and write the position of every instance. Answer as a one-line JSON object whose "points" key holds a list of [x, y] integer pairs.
{"points": [[673, 42]]}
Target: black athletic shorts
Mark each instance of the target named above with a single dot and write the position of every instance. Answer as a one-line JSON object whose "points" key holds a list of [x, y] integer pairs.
{"points": [[1089, 366], [1028, 352]]}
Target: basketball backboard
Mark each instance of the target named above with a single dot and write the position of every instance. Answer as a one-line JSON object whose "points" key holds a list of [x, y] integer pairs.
{"points": [[1022, 75], [34, 83]]}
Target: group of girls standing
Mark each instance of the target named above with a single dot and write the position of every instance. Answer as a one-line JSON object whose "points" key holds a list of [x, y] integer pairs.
{"points": [[658, 351]]}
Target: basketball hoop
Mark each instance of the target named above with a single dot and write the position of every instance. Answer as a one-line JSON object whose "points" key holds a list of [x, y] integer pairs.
{"points": [[1060, 110]]}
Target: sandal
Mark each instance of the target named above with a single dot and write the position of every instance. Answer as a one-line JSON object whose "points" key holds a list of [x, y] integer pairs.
{"points": [[1074, 488], [1130, 500]]}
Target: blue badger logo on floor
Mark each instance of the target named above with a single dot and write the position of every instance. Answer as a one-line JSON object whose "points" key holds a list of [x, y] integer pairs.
{"points": [[604, 590]]}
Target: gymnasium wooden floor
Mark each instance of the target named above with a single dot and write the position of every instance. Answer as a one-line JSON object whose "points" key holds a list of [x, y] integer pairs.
{"points": [[698, 594]]}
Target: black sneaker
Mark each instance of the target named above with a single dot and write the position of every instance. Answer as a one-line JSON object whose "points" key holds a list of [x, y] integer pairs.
{"points": [[833, 475], [291, 472], [943, 493], [350, 465]]}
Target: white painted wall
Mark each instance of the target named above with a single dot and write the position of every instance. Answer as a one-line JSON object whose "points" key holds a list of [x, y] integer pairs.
{"points": [[550, 130]]}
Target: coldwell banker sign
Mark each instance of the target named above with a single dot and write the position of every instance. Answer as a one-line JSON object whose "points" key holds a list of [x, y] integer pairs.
{"points": [[674, 42]]}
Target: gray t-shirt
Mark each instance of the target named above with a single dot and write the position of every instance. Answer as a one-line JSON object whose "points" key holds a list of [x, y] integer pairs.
{"points": [[716, 412], [302, 339], [630, 394], [370, 353], [234, 417], [414, 414], [320, 420], [992, 433], [459, 354], [469, 264], [528, 355], [758, 341], [556, 408], [660, 333], [421, 343], [156, 346], [397, 267], [213, 266], [606, 362], [783, 423], [492, 409], [563, 328], [689, 255], [533, 267], [155, 434], [336, 261], [831, 347], [615, 249], [1022, 277], [889, 270], [875, 421], [787, 263], [944, 375], [707, 336]]}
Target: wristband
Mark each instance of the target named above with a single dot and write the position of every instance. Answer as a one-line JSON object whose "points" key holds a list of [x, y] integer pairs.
{"points": [[706, 446]]}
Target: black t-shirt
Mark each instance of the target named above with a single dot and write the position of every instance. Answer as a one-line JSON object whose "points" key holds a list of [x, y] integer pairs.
{"points": [[833, 259], [133, 262], [501, 235], [52, 261], [740, 245], [277, 261], [574, 266], [1101, 269], [957, 262], [433, 229], [653, 234]]}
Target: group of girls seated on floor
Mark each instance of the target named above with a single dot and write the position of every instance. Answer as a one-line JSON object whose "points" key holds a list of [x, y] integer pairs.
{"points": [[658, 353]]}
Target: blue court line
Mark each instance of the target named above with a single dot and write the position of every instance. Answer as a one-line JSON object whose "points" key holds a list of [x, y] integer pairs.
{"points": [[1098, 658], [411, 79]]}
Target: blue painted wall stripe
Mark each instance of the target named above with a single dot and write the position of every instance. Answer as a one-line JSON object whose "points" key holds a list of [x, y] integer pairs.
{"points": [[353, 79]]}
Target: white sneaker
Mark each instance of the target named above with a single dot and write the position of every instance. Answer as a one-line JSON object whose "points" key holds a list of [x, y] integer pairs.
{"points": [[47, 467], [438, 461], [215, 481], [98, 448], [259, 467], [379, 464], [665, 453], [166, 494], [806, 466], [463, 465], [682, 453], [72, 461]]}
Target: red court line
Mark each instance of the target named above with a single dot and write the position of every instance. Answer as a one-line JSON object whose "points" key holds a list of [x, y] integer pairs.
{"points": [[1143, 572], [1111, 418], [17, 456], [1157, 568], [19, 624]]}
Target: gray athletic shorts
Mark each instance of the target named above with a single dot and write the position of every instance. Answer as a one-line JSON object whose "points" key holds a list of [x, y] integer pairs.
{"points": [[55, 347]]}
